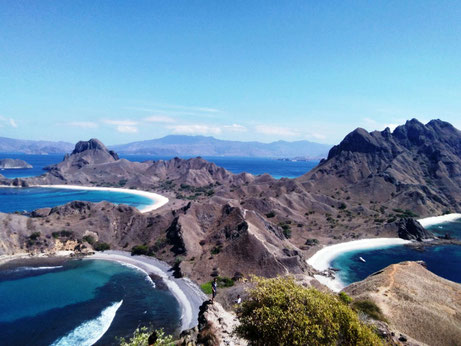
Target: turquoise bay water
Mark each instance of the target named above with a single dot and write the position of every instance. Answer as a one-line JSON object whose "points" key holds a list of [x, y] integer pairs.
{"points": [[28, 199], [443, 260], [453, 229], [79, 303]]}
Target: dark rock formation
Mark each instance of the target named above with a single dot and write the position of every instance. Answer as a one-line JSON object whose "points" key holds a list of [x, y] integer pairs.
{"points": [[14, 164], [411, 229], [416, 167]]}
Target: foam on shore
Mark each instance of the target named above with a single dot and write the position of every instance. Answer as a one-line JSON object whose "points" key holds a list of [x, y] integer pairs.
{"points": [[157, 200], [322, 259], [435, 220], [188, 295]]}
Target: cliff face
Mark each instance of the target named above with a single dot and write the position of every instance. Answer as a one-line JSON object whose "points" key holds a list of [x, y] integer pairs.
{"points": [[415, 301], [416, 167]]}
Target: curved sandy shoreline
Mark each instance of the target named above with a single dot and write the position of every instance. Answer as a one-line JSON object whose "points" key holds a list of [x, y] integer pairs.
{"points": [[434, 220], [189, 295], [322, 259], [158, 200]]}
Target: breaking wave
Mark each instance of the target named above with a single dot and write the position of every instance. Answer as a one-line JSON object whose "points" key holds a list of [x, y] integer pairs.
{"points": [[89, 332]]}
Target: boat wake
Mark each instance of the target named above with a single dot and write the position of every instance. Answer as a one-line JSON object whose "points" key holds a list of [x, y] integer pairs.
{"points": [[89, 332]]}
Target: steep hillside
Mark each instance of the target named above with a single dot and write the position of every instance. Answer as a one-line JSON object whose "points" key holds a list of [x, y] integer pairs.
{"points": [[416, 167], [415, 301]]}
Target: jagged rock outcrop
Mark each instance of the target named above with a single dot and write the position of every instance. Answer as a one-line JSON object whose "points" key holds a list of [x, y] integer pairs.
{"points": [[14, 164], [417, 167], [215, 327], [411, 229], [415, 301]]}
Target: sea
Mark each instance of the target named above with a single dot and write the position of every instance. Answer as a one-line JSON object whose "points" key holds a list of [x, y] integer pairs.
{"points": [[443, 260], [31, 198], [81, 302]]}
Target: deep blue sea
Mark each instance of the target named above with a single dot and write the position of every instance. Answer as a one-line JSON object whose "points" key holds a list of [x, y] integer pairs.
{"points": [[444, 261], [28, 199], [274, 167], [80, 302]]}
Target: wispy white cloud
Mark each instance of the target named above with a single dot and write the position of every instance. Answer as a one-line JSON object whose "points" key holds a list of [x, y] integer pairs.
{"points": [[371, 125], [4, 121], [159, 119], [235, 128], [123, 126], [83, 124], [120, 122], [276, 131], [13, 123], [127, 129], [195, 129]]}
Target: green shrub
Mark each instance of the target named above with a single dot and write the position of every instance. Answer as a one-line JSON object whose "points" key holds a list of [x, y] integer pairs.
{"points": [[100, 246], [345, 298], [369, 308], [34, 236], [141, 336], [89, 239], [222, 282], [140, 250], [280, 312], [312, 241], [342, 206], [64, 234], [215, 250], [270, 214]]}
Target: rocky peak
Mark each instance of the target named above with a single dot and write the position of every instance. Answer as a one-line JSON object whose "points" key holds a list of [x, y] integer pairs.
{"points": [[361, 141], [92, 144]]}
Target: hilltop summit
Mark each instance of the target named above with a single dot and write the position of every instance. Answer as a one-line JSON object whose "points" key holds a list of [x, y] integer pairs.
{"points": [[416, 166]]}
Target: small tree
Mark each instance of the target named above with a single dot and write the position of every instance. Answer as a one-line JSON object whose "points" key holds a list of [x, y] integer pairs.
{"points": [[141, 336], [280, 312]]}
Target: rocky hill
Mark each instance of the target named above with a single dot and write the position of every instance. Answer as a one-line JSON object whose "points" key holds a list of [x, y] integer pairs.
{"points": [[415, 301], [14, 164], [415, 167], [219, 223]]}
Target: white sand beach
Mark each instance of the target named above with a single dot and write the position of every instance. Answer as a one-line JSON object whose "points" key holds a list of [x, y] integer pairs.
{"points": [[434, 220], [322, 259], [189, 295], [157, 200]]}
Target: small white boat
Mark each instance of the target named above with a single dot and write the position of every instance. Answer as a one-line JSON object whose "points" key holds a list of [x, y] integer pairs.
{"points": [[362, 259]]}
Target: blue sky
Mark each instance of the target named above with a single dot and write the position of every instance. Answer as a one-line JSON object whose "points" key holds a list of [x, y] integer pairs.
{"points": [[247, 70]]}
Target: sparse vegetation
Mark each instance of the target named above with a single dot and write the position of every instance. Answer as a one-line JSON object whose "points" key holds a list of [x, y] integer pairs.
{"points": [[286, 229], [369, 308], [62, 234]]}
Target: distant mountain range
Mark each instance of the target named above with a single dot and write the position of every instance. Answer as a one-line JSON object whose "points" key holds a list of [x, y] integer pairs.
{"points": [[176, 145], [10, 145]]}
